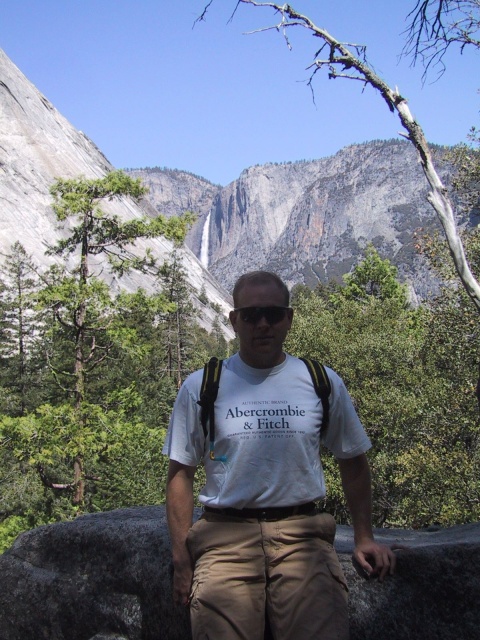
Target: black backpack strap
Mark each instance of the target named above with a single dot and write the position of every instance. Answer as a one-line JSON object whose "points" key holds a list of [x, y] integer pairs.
{"points": [[322, 385], [208, 394]]}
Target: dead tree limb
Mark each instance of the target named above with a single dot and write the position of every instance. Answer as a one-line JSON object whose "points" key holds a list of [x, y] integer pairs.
{"points": [[349, 61]]}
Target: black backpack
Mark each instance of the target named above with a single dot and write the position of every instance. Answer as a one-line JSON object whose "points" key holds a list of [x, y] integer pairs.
{"points": [[209, 391]]}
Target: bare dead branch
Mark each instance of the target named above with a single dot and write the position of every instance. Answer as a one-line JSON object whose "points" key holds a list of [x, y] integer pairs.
{"points": [[436, 25], [53, 485], [201, 18], [344, 57]]}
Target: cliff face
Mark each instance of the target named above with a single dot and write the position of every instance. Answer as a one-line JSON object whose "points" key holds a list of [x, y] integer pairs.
{"points": [[310, 221], [172, 192], [38, 145], [250, 215], [366, 193]]}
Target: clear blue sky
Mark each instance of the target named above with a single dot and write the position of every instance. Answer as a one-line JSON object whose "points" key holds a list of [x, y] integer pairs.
{"points": [[151, 90]]}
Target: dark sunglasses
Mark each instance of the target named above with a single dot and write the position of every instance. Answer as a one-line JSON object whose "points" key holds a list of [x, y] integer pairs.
{"points": [[252, 315]]}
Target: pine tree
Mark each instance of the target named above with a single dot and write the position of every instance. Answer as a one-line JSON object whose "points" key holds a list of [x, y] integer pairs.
{"points": [[22, 364], [82, 305], [177, 324]]}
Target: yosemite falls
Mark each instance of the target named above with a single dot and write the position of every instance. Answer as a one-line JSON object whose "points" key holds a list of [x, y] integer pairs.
{"points": [[205, 242]]}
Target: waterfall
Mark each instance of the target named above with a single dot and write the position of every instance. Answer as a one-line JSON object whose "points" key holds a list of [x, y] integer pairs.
{"points": [[204, 245]]}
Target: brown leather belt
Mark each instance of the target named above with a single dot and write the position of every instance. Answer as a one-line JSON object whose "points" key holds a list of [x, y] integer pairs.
{"points": [[275, 513]]}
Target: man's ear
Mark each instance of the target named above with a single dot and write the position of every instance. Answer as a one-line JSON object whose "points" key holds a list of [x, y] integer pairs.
{"points": [[290, 317], [233, 319]]}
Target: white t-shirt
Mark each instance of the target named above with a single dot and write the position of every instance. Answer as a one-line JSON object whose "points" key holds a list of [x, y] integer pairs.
{"points": [[267, 427]]}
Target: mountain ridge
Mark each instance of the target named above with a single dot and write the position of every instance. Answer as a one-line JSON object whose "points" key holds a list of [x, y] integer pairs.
{"points": [[37, 146], [311, 220]]}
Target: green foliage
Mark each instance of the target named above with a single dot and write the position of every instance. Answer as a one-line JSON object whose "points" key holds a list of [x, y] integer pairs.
{"points": [[202, 296], [25, 502], [374, 277], [124, 465], [418, 407], [22, 368], [53, 433], [466, 182], [10, 528], [76, 196], [99, 232], [177, 324], [86, 329], [135, 473], [88, 379], [91, 435]]}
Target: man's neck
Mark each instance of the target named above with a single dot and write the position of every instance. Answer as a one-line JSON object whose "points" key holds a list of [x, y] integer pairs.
{"points": [[267, 363]]}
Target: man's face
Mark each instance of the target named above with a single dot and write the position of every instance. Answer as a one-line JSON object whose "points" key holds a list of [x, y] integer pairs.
{"points": [[261, 341]]}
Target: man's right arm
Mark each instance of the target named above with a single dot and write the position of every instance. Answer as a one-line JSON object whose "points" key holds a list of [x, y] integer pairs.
{"points": [[179, 517]]}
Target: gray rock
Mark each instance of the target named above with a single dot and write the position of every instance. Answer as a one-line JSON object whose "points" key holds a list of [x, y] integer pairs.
{"points": [[105, 575], [108, 576], [38, 145], [310, 221], [434, 594]]}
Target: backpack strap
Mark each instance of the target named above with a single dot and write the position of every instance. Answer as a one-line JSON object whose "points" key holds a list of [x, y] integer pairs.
{"points": [[208, 394], [322, 385]]}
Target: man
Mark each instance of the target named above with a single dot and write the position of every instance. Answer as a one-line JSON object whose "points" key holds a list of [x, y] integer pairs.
{"points": [[261, 543]]}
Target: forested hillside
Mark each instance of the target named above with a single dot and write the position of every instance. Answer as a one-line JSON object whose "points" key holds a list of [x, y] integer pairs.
{"points": [[88, 374], [411, 371]]}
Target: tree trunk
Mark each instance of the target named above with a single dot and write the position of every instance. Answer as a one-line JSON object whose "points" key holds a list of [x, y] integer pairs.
{"points": [[79, 481]]}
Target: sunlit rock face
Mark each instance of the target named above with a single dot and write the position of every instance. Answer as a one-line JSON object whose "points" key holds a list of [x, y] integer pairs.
{"points": [[38, 145], [310, 221]]}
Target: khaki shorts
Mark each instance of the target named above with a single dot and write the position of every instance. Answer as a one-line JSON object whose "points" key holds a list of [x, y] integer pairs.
{"points": [[287, 568]]}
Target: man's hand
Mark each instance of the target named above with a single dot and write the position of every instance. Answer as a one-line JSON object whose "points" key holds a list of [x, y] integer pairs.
{"points": [[182, 582], [179, 517], [375, 559]]}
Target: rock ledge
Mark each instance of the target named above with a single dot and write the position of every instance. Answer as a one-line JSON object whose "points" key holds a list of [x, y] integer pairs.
{"points": [[107, 576]]}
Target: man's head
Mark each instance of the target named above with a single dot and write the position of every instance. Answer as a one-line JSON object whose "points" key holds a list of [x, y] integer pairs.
{"points": [[260, 278], [261, 318]]}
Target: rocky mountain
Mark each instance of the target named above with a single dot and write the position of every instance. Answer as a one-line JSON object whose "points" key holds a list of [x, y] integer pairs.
{"points": [[172, 192], [38, 145], [309, 221]]}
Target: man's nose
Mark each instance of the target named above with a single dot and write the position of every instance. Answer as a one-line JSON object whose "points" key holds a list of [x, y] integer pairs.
{"points": [[262, 322]]}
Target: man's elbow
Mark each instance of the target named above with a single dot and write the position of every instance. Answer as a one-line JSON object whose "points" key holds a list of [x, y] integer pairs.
{"points": [[355, 467]]}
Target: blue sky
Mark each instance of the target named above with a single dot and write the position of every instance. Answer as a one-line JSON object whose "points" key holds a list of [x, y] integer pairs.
{"points": [[152, 90]]}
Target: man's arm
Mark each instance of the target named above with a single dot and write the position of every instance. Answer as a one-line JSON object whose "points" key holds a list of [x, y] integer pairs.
{"points": [[179, 517], [374, 558]]}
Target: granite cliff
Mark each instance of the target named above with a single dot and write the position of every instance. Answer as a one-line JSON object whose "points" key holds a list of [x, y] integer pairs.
{"points": [[171, 192], [310, 221], [38, 145]]}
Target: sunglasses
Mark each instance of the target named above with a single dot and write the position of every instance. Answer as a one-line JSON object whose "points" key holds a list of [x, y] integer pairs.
{"points": [[252, 315]]}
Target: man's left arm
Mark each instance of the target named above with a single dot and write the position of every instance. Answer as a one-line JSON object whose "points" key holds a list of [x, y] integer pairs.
{"points": [[374, 558]]}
